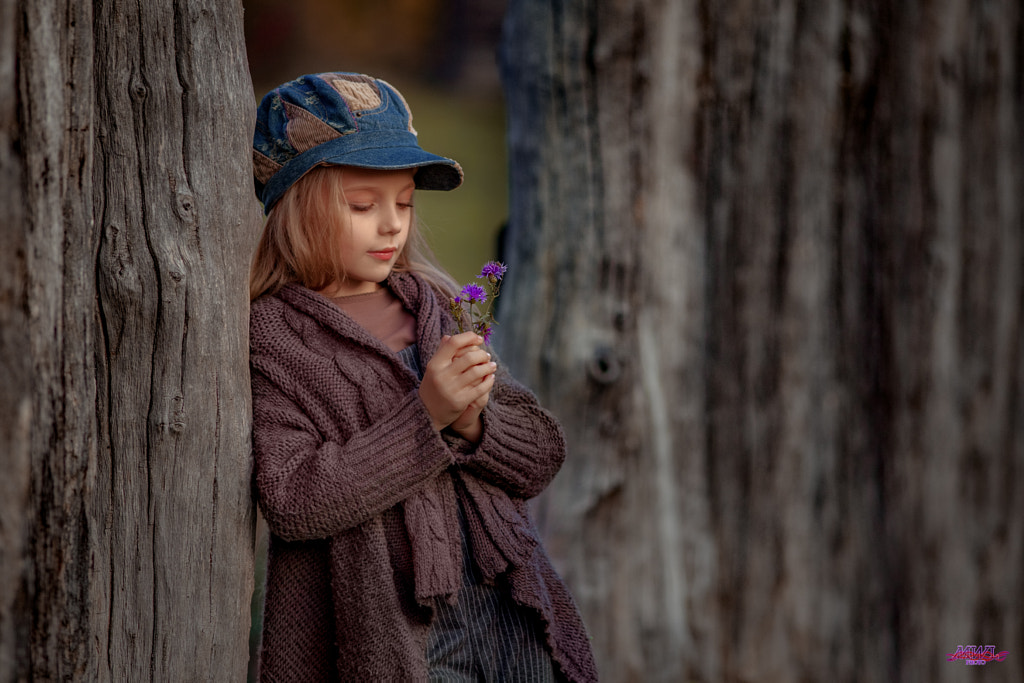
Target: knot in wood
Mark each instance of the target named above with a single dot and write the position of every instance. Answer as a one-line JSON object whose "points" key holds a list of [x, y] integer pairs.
{"points": [[138, 89], [604, 367], [185, 204]]}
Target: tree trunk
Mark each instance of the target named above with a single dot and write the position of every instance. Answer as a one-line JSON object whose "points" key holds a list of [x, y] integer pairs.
{"points": [[766, 262], [15, 379], [127, 527]]}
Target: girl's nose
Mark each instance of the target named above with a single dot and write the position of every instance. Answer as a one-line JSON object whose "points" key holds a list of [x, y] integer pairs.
{"points": [[392, 221]]}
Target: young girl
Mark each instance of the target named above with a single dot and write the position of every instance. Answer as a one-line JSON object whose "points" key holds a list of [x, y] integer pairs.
{"points": [[393, 458]]}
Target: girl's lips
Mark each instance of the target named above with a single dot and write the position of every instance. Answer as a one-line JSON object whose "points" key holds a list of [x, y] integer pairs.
{"points": [[384, 255]]}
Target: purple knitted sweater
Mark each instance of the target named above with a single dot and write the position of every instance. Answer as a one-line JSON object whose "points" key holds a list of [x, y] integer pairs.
{"points": [[360, 494]]}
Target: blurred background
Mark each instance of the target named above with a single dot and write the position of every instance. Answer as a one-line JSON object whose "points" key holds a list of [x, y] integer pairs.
{"points": [[441, 55]]}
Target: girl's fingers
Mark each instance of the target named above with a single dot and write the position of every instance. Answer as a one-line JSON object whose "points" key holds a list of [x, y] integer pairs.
{"points": [[483, 390], [460, 361], [451, 346], [471, 360], [460, 373], [466, 387]]}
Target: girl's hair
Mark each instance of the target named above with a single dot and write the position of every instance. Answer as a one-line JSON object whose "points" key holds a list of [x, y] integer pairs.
{"points": [[299, 240]]}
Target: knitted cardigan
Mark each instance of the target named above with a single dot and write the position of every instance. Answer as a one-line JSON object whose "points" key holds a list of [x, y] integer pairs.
{"points": [[360, 494]]}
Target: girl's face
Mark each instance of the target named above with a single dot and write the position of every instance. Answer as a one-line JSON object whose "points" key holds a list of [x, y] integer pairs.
{"points": [[379, 205]]}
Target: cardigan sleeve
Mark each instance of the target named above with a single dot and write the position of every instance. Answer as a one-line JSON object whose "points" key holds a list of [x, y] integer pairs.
{"points": [[312, 488], [522, 446]]}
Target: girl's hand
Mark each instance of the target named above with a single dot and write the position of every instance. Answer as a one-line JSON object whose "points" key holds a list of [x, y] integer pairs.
{"points": [[457, 383], [469, 425]]}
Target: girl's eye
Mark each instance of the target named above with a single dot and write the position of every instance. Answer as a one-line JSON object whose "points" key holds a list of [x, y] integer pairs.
{"points": [[405, 205], [360, 208]]}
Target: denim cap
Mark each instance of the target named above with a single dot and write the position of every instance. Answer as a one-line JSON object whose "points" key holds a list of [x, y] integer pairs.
{"points": [[339, 119]]}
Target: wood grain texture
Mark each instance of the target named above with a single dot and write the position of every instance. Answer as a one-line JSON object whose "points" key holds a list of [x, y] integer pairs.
{"points": [[133, 124], [15, 378], [766, 262]]}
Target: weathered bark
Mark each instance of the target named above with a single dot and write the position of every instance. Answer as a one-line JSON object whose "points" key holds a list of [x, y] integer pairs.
{"points": [[131, 242], [15, 381], [766, 262]]}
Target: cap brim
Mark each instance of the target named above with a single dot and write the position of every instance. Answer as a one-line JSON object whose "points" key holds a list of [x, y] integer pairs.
{"points": [[433, 172], [383, 150]]}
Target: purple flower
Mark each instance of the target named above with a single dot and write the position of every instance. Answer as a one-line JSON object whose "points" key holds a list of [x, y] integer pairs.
{"points": [[473, 294], [468, 309], [493, 271]]}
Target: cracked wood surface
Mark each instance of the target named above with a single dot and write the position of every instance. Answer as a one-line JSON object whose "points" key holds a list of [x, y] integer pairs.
{"points": [[766, 263], [129, 508]]}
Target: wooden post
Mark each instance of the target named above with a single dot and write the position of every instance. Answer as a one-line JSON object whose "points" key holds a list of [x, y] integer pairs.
{"points": [[767, 265], [133, 125]]}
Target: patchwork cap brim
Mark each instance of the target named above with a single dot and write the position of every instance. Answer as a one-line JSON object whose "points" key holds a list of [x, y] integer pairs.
{"points": [[382, 150], [433, 172]]}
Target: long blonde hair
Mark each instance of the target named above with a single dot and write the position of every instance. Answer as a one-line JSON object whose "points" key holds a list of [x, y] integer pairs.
{"points": [[299, 240]]}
